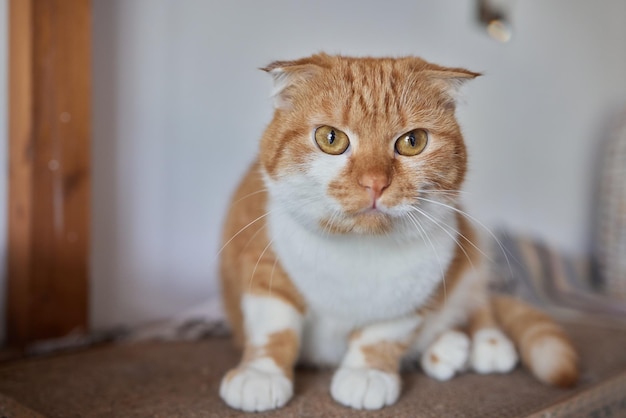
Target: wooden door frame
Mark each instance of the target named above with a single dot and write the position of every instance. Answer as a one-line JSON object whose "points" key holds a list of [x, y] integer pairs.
{"points": [[49, 168]]}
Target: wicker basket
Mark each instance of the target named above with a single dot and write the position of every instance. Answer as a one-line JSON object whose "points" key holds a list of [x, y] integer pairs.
{"points": [[611, 212]]}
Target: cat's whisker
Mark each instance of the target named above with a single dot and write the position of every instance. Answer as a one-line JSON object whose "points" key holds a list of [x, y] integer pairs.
{"points": [[240, 231], [449, 197], [444, 191], [477, 248], [440, 191], [439, 224], [272, 274], [249, 195], [337, 219], [425, 235], [252, 238], [473, 219], [329, 224], [257, 263]]}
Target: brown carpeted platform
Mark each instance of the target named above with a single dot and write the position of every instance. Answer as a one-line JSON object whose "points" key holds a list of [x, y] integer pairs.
{"points": [[181, 380]]}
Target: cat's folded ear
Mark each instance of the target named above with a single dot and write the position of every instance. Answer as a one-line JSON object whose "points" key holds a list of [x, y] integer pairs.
{"points": [[450, 80], [288, 75]]}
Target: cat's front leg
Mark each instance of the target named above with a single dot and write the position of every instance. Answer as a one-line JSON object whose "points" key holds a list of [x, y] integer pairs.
{"points": [[368, 377], [264, 378]]}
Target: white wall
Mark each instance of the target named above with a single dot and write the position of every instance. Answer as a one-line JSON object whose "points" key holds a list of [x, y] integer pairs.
{"points": [[179, 106], [3, 162]]}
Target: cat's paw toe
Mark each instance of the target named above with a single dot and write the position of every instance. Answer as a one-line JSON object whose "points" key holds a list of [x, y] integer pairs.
{"points": [[447, 356], [365, 388], [492, 352], [254, 390]]}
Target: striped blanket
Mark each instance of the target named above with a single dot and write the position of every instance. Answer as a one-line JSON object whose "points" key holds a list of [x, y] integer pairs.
{"points": [[543, 276]]}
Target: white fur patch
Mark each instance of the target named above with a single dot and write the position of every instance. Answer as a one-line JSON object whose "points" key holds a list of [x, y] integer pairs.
{"points": [[362, 279], [282, 80], [265, 315], [446, 356], [254, 389], [365, 388], [492, 352]]}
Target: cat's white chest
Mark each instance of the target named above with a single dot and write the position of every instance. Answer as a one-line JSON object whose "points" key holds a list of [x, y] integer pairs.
{"points": [[351, 281]]}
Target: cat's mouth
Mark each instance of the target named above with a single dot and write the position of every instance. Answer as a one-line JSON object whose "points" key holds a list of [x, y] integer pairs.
{"points": [[369, 221], [372, 221], [372, 210]]}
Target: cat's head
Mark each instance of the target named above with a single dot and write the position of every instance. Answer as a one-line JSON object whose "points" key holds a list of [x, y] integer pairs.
{"points": [[357, 144]]}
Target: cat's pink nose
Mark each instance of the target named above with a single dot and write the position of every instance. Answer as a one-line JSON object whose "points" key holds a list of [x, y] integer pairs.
{"points": [[377, 183]]}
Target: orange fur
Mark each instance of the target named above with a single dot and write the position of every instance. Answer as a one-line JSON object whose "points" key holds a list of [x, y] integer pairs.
{"points": [[466, 257], [248, 263], [530, 328], [283, 348], [385, 356], [481, 318], [377, 100]]}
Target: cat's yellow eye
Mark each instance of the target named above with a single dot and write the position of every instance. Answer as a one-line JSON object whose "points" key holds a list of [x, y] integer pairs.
{"points": [[331, 140], [412, 142]]}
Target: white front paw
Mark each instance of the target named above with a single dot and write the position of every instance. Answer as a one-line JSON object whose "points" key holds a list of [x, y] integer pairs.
{"points": [[446, 356], [254, 390], [365, 388], [493, 352]]}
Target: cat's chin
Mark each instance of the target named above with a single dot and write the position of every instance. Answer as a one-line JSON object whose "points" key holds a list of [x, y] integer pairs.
{"points": [[371, 222]]}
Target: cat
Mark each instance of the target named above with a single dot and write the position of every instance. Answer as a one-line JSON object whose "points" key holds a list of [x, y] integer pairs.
{"points": [[345, 244]]}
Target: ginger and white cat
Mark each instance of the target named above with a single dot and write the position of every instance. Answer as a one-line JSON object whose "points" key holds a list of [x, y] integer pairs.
{"points": [[345, 244]]}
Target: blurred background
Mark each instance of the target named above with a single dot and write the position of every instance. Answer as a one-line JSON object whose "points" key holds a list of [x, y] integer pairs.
{"points": [[179, 105]]}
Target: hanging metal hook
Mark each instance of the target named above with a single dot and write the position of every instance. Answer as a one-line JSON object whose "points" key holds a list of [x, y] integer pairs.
{"points": [[492, 17]]}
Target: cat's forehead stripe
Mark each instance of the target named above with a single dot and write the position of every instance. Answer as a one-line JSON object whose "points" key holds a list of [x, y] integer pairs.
{"points": [[371, 91]]}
